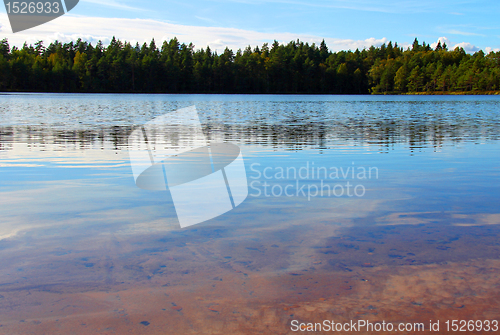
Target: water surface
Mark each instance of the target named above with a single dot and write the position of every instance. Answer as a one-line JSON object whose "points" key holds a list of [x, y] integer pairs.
{"points": [[83, 248]]}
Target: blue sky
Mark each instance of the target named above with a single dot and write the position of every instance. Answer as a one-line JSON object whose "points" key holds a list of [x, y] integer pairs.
{"points": [[351, 24]]}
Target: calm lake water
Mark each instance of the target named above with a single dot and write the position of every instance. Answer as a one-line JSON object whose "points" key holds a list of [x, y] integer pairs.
{"points": [[338, 185]]}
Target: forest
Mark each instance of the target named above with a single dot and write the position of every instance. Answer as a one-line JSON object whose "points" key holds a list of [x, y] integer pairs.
{"points": [[292, 68]]}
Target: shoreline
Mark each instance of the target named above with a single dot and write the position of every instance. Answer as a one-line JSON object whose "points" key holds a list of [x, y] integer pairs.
{"points": [[453, 93], [276, 93]]}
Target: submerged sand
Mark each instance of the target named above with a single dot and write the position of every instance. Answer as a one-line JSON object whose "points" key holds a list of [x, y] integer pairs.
{"points": [[216, 283]]}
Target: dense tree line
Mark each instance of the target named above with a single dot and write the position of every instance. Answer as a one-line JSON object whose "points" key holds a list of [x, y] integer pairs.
{"points": [[296, 67]]}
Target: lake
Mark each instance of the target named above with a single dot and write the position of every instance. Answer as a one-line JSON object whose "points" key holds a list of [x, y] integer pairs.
{"points": [[375, 208]]}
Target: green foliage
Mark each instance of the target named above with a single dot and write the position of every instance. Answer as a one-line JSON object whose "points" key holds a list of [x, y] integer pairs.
{"points": [[296, 67]]}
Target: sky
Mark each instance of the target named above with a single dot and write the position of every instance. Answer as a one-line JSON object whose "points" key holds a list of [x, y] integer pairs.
{"points": [[344, 25]]}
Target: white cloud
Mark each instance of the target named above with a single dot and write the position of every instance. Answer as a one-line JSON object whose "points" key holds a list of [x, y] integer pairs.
{"points": [[468, 47], [443, 40], [114, 4], [464, 33], [488, 50], [387, 6], [70, 27]]}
